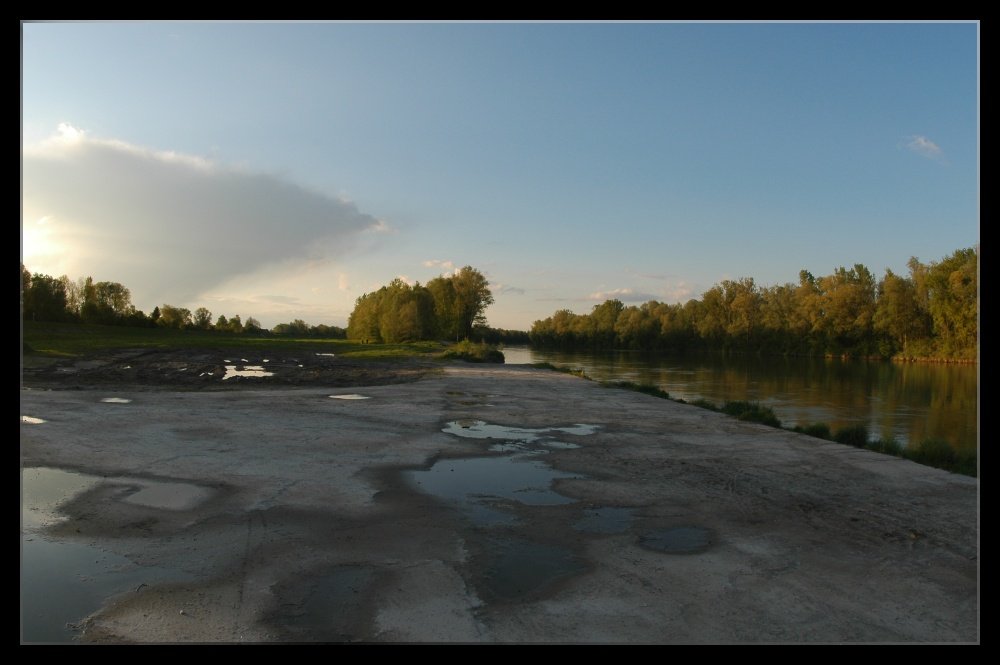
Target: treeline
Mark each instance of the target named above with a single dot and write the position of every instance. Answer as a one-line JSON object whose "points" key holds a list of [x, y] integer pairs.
{"points": [[932, 312], [447, 307], [47, 298], [500, 336]]}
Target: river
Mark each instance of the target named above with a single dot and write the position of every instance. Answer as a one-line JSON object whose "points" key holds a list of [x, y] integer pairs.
{"points": [[908, 401]]}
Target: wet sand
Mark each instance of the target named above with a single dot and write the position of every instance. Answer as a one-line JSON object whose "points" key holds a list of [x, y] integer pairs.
{"points": [[577, 514]]}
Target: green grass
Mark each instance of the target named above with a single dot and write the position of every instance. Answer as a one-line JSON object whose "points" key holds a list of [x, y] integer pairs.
{"points": [[562, 368], [646, 388], [930, 452], [61, 340], [473, 352], [886, 446], [853, 435], [818, 430], [938, 453], [752, 411]]}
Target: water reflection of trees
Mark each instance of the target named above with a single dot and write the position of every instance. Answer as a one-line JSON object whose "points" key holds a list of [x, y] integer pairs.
{"points": [[910, 401]]}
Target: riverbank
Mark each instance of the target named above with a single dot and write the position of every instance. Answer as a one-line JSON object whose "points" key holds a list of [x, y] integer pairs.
{"points": [[590, 515]]}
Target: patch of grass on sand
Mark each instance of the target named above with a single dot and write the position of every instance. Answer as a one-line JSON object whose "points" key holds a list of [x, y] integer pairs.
{"points": [[752, 411], [852, 435], [56, 340], [940, 454], [575, 371], [473, 352], [647, 388], [887, 446], [818, 430]]}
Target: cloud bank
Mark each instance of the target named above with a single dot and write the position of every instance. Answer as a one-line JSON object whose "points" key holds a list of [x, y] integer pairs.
{"points": [[167, 225]]}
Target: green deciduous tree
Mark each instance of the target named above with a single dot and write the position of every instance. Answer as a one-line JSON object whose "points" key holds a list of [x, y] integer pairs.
{"points": [[899, 317], [43, 297], [448, 307], [953, 300], [174, 317], [202, 318]]}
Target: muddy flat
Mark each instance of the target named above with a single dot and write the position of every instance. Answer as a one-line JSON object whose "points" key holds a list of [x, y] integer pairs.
{"points": [[215, 369], [462, 503]]}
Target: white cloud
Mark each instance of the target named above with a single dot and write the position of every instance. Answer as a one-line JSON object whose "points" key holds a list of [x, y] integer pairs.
{"points": [[171, 226], [625, 295], [438, 263], [680, 292], [924, 146]]}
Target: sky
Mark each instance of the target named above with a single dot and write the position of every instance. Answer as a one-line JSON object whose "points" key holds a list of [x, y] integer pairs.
{"points": [[282, 170]]}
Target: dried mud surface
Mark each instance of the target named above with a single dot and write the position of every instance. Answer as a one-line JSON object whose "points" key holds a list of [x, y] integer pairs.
{"points": [[311, 524]]}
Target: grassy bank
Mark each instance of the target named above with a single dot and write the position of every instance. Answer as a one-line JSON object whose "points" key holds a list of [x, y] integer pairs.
{"points": [[67, 340]]}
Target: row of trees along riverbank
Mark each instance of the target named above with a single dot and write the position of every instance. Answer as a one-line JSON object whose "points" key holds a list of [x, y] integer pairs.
{"points": [[63, 300], [930, 313], [448, 307]]}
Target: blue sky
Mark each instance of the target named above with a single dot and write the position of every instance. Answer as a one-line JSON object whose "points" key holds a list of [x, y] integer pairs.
{"points": [[281, 170]]}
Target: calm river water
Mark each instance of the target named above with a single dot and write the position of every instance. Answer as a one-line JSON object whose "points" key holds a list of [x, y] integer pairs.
{"points": [[910, 401]]}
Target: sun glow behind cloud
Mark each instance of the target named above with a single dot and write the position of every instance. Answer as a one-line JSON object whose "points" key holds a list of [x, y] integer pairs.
{"points": [[169, 225]]}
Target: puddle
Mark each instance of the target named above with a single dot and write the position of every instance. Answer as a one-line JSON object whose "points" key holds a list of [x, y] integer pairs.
{"points": [[476, 484], [482, 488], [166, 495], [244, 360], [679, 540], [350, 396], [227, 361], [559, 445], [183, 369], [480, 485], [205, 374], [247, 371], [332, 608], [478, 429], [43, 490], [63, 582], [265, 360], [605, 519], [517, 439], [31, 420], [518, 568], [115, 400], [127, 367], [330, 355]]}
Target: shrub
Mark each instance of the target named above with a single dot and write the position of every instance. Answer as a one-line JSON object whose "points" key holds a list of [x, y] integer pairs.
{"points": [[932, 452], [886, 446], [752, 411], [646, 388], [818, 430], [853, 435], [471, 352]]}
